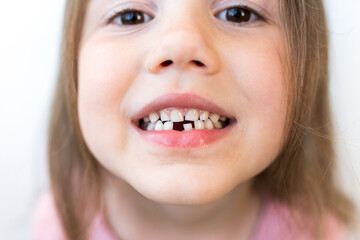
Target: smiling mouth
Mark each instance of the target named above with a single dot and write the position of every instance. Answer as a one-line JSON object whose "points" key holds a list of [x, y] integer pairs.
{"points": [[183, 119]]}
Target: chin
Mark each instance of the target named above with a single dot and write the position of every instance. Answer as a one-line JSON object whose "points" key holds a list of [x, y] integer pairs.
{"points": [[188, 191]]}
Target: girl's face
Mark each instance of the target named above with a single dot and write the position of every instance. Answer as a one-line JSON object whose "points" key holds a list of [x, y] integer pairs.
{"points": [[182, 54]]}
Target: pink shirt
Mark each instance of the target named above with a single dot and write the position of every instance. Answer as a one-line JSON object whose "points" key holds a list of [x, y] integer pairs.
{"points": [[273, 224]]}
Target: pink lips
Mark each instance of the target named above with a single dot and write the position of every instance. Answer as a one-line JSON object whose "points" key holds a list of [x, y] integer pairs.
{"points": [[191, 139], [177, 139]]}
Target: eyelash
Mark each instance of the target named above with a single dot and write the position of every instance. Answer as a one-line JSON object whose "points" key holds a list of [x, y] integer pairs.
{"points": [[253, 13], [120, 13], [148, 17]]}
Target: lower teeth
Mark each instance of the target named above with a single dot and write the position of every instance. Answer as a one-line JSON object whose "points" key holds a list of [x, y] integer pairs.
{"points": [[179, 126]]}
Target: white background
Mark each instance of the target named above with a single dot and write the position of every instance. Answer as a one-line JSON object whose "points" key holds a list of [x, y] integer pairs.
{"points": [[29, 52]]}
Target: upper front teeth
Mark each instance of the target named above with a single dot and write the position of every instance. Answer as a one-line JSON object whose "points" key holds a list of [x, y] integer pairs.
{"points": [[164, 116], [192, 115], [165, 119], [176, 116]]}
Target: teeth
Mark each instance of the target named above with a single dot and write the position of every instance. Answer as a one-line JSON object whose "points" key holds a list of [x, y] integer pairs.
{"points": [[192, 115], [209, 124], [165, 119], [176, 116], [218, 125], [150, 127], [187, 127], [214, 117], [154, 117], [146, 119], [204, 115], [159, 126], [199, 125], [168, 125], [164, 116]]}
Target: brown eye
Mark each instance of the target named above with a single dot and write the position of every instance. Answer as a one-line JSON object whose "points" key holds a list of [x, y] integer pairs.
{"points": [[237, 15], [131, 17]]}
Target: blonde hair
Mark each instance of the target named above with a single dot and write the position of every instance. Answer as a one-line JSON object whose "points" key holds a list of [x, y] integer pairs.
{"points": [[304, 169]]}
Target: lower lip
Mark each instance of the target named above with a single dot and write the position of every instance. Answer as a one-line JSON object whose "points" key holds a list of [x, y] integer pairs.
{"points": [[188, 139]]}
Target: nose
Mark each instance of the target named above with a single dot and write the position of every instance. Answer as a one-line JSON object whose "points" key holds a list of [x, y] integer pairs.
{"points": [[185, 50]]}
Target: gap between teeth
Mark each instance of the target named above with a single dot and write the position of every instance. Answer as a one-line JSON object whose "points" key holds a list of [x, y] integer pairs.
{"points": [[165, 119]]}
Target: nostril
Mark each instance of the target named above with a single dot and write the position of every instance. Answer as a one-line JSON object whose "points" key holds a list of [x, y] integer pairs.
{"points": [[169, 62], [200, 64], [166, 63]]}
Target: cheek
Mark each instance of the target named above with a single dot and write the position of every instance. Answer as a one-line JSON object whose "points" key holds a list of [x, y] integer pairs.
{"points": [[258, 70], [260, 84], [105, 73]]}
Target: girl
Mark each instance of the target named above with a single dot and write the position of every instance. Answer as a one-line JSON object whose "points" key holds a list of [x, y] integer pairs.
{"points": [[185, 119]]}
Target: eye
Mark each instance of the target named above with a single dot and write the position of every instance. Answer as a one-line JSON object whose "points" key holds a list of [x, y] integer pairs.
{"points": [[130, 17], [239, 15]]}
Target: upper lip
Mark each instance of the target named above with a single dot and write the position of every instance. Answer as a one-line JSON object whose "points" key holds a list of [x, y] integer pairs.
{"points": [[185, 100]]}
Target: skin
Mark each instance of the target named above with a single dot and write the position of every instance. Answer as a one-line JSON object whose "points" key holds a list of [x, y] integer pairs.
{"points": [[201, 193]]}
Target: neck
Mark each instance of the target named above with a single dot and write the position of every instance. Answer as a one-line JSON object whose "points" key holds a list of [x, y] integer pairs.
{"points": [[231, 217]]}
